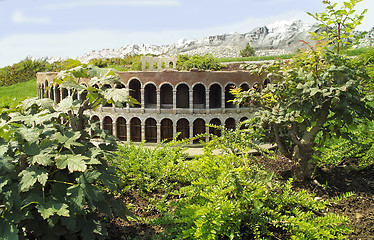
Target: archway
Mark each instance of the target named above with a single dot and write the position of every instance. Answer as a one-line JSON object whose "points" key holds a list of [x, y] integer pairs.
{"points": [[199, 96], [150, 96], [215, 96], [230, 123], [215, 131], [183, 96], [229, 97], [121, 129], [150, 130], [198, 128], [166, 129], [183, 127], [135, 130], [166, 96], [96, 120], [134, 87], [108, 125]]}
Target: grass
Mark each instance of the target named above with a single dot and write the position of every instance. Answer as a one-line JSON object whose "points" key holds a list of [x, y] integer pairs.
{"points": [[255, 58], [17, 92]]}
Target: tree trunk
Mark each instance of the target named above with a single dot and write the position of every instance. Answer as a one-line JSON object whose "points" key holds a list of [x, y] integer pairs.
{"points": [[303, 168]]}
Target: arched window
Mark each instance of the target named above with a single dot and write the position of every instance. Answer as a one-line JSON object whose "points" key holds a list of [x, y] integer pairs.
{"points": [[52, 93], [230, 123], [150, 96], [108, 125], [266, 82], [199, 96], [198, 128], [95, 119], [215, 96], [166, 96], [229, 96], [183, 96], [134, 87], [183, 127], [135, 130], [121, 129], [150, 130], [166, 129], [212, 130]]}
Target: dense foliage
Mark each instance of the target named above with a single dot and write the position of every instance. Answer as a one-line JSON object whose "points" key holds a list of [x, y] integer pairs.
{"points": [[317, 93], [54, 180], [205, 62]]}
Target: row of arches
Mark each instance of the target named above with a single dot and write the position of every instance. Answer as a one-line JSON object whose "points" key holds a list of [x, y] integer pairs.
{"points": [[151, 131], [166, 96]]}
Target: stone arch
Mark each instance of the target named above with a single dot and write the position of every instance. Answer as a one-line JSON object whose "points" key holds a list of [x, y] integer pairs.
{"points": [[51, 93], [150, 130], [108, 125], [166, 96], [150, 96], [135, 130], [243, 126], [199, 96], [121, 128], [134, 87], [198, 128], [266, 82], [215, 96], [230, 123], [215, 131], [229, 96], [244, 87], [183, 99], [166, 129], [183, 127]]}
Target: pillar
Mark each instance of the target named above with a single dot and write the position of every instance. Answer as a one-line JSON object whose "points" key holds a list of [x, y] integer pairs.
{"points": [[207, 106], [128, 134], [142, 131], [158, 125], [142, 99], [158, 99], [191, 132], [190, 97], [175, 101], [223, 102]]}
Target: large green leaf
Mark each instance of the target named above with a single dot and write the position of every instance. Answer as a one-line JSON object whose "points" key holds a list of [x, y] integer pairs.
{"points": [[30, 176], [68, 139], [72, 162], [8, 231], [51, 207]]}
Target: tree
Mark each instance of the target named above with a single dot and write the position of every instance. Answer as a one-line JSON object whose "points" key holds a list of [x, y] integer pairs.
{"points": [[317, 93], [54, 181], [247, 51]]}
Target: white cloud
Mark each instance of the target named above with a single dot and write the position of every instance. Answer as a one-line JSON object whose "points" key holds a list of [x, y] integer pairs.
{"points": [[111, 3], [20, 18]]}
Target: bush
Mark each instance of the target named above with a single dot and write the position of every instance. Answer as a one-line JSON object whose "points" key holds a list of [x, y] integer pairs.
{"points": [[247, 51], [206, 62], [229, 199]]}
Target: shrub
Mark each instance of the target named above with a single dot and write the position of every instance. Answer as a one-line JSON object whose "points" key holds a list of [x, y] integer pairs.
{"points": [[247, 51], [206, 62]]}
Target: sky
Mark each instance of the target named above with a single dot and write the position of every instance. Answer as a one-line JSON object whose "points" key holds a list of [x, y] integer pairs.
{"points": [[71, 28]]}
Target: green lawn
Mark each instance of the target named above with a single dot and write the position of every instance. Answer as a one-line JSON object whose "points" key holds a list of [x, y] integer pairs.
{"points": [[17, 92]]}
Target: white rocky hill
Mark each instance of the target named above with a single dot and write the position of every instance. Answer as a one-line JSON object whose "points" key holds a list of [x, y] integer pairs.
{"points": [[281, 37]]}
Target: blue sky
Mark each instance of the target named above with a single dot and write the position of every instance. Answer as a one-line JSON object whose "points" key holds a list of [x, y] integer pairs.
{"points": [[74, 27]]}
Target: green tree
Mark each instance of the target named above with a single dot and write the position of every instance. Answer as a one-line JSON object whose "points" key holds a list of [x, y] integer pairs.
{"points": [[247, 51], [205, 62], [317, 93], [54, 181]]}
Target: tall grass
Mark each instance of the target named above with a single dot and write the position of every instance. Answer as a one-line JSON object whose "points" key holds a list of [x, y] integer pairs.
{"points": [[17, 92]]}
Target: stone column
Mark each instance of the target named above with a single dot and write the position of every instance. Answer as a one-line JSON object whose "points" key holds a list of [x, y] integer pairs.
{"points": [[190, 97], [174, 101], [206, 132], [207, 106], [114, 128], [158, 99], [142, 99], [158, 125], [174, 128], [143, 131], [223, 102], [128, 134], [191, 132]]}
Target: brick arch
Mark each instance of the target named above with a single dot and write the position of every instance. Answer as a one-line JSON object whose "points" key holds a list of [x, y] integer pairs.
{"points": [[199, 96], [135, 86], [150, 95], [150, 130], [183, 127], [166, 129], [166, 96], [135, 130], [229, 96], [121, 128], [199, 128], [215, 95], [183, 95]]}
